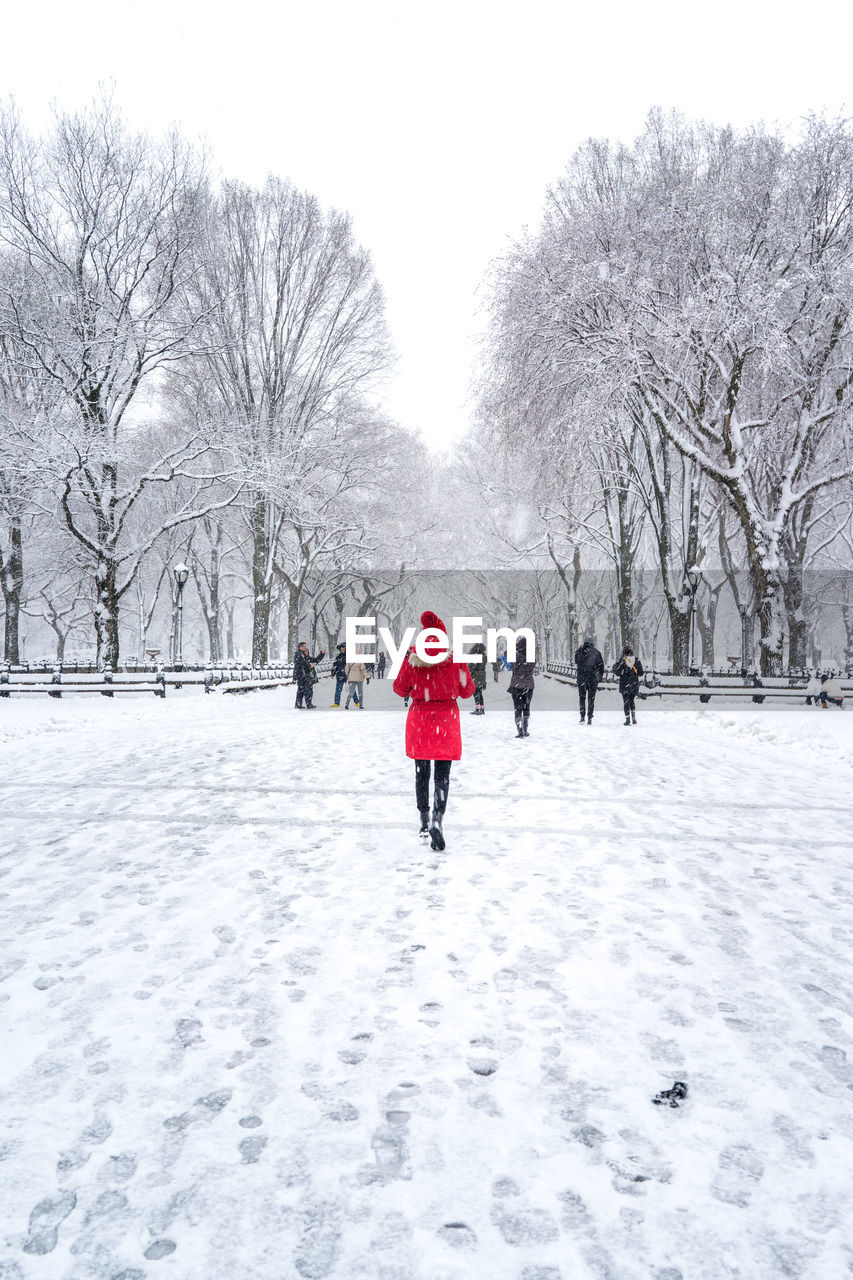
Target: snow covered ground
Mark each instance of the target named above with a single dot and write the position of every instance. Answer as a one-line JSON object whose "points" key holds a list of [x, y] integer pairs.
{"points": [[251, 1028]]}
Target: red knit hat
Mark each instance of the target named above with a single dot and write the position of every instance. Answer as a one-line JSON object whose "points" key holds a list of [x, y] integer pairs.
{"points": [[431, 622]]}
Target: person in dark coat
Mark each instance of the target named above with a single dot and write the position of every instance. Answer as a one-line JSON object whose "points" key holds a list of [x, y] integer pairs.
{"points": [[339, 672], [380, 666], [590, 669], [521, 687], [496, 669], [629, 669], [303, 675], [433, 733], [477, 667]]}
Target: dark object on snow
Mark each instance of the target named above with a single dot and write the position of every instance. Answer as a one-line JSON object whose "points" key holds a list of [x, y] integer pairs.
{"points": [[673, 1097]]}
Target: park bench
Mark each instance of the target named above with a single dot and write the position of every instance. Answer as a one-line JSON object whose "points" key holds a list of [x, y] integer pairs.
{"points": [[106, 683], [758, 690], [228, 678], [245, 679]]}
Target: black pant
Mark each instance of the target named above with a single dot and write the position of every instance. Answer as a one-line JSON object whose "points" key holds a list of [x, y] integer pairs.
{"points": [[521, 699], [442, 784], [305, 691], [478, 695], [628, 702], [586, 695]]}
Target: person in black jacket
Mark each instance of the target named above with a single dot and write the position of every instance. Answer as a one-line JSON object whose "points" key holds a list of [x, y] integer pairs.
{"points": [[628, 669], [303, 675], [339, 672], [477, 667], [521, 687], [590, 669]]}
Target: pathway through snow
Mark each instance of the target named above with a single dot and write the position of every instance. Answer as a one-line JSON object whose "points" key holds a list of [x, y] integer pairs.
{"points": [[252, 1028]]}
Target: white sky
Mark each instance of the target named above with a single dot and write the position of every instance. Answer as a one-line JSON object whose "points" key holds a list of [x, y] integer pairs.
{"points": [[437, 126]]}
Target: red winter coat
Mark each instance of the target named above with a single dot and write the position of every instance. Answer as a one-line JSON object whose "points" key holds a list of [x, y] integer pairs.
{"points": [[432, 725]]}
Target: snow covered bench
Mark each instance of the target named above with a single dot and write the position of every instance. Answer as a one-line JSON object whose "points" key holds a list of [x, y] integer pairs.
{"points": [[776, 689], [243, 679], [107, 684]]}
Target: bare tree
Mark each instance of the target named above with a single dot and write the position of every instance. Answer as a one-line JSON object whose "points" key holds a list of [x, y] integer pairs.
{"points": [[705, 276], [294, 334], [103, 221]]}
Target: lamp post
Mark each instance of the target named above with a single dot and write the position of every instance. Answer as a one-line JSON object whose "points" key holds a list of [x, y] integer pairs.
{"points": [[693, 576], [181, 572], [743, 653]]}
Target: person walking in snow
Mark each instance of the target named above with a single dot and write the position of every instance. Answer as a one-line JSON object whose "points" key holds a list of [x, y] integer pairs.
{"points": [[590, 668], [356, 673], [433, 734], [496, 669], [380, 666], [521, 687], [339, 673], [477, 667], [629, 669], [303, 674]]}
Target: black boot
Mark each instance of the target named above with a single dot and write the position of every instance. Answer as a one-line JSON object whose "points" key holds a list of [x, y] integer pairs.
{"points": [[519, 725], [525, 720], [424, 828], [435, 832]]}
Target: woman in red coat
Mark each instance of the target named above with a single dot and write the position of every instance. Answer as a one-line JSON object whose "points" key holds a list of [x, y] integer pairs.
{"points": [[433, 734]]}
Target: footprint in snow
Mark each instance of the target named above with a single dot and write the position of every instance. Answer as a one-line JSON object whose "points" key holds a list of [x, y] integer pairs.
{"points": [[250, 1148], [160, 1249], [522, 1226], [316, 1255], [458, 1235], [739, 1170], [45, 1221]]}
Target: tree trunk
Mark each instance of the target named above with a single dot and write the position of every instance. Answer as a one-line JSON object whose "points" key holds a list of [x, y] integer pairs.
{"points": [[763, 559], [261, 582], [707, 626], [292, 618], [229, 630], [798, 639], [679, 628], [12, 579], [106, 614], [770, 619], [797, 626], [140, 621], [625, 585], [847, 615], [212, 615]]}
